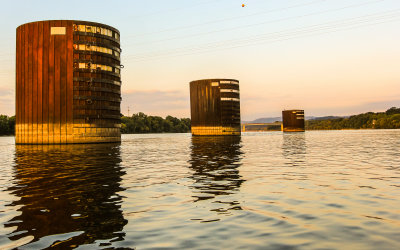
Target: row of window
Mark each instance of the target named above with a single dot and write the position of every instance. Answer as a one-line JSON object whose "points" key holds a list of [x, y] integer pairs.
{"points": [[96, 30], [229, 91], [229, 82], [94, 66], [99, 76], [94, 48], [216, 84], [230, 99]]}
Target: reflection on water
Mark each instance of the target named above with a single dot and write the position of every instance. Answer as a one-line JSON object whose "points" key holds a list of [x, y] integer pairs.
{"points": [[312, 190], [294, 148], [215, 162], [70, 191]]}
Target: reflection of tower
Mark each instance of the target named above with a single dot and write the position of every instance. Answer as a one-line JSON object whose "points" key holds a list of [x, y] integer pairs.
{"points": [[70, 191], [215, 162], [294, 148]]}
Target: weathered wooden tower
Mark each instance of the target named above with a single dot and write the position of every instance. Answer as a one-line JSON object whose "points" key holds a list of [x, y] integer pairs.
{"points": [[68, 83], [215, 107], [293, 120]]}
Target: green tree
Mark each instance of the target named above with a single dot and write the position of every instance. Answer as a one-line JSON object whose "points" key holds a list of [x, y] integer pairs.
{"points": [[7, 125], [392, 111], [142, 123], [381, 120]]}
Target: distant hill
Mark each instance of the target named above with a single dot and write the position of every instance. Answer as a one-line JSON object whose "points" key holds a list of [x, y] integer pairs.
{"points": [[264, 120], [279, 119]]}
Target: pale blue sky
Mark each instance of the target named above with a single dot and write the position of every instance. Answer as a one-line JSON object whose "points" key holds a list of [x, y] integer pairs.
{"points": [[329, 57]]}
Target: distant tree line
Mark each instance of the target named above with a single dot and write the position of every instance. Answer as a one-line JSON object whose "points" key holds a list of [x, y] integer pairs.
{"points": [[7, 125], [382, 120], [141, 123], [135, 124]]}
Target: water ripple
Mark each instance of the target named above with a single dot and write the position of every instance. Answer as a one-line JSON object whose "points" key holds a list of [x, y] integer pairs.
{"points": [[313, 190]]}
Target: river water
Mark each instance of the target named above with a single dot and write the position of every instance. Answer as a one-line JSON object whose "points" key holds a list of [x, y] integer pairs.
{"points": [[312, 190]]}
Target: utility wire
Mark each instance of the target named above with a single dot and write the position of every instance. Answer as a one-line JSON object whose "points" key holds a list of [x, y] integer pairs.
{"points": [[223, 43], [176, 9], [293, 36], [279, 36], [264, 42], [227, 19], [258, 24]]}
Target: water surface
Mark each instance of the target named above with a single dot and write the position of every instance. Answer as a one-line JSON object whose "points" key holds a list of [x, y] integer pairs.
{"points": [[313, 190]]}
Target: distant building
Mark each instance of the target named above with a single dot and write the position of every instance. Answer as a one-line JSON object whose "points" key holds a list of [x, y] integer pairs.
{"points": [[293, 120], [215, 107], [68, 83]]}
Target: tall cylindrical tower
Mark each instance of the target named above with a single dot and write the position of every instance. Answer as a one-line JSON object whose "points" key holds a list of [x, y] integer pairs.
{"points": [[293, 120], [215, 107], [68, 83]]}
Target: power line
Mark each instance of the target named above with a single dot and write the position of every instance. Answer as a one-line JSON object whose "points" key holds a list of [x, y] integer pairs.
{"points": [[226, 19], [328, 27], [176, 9], [258, 24], [294, 36], [224, 43]]}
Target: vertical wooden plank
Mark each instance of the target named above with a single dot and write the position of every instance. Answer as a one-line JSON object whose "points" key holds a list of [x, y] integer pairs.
{"points": [[57, 81], [218, 106], [209, 116], [40, 83], [191, 105], [17, 84], [63, 85], [45, 88], [51, 86], [26, 87], [203, 101], [210, 101], [70, 82], [22, 74], [30, 82], [34, 42]]}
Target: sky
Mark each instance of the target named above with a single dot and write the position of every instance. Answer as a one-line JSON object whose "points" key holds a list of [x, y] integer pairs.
{"points": [[328, 57]]}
